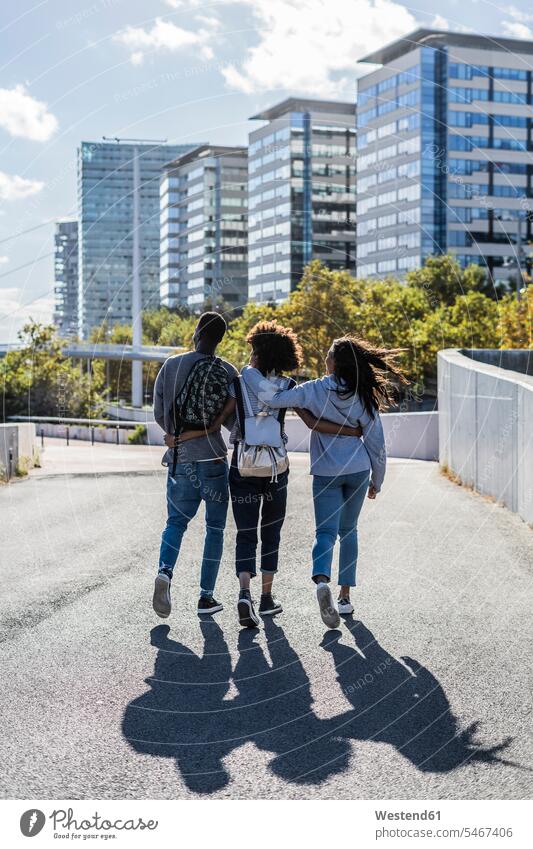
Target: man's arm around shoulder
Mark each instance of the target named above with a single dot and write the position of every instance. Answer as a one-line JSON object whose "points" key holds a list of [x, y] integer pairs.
{"points": [[229, 419]]}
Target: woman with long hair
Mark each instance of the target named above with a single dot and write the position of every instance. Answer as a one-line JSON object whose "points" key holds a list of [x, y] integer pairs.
{"points": [[357, 386]]}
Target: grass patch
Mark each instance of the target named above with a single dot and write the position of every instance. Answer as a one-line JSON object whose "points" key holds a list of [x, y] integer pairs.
{"points": [[138, 435], [450, 475]]}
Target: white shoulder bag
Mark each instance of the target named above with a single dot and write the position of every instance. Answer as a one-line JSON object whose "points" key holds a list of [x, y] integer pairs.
{"points": [[261, 452]]}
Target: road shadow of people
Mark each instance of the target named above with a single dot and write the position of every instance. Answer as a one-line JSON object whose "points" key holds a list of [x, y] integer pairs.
{"points": [[277, 710], [181, 716], [187, 714], [401, 703], [193, 714]]}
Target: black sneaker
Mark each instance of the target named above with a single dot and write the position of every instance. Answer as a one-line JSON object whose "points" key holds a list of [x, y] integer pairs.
{"points": [[269, 606], [207, 604], [248, 618]]}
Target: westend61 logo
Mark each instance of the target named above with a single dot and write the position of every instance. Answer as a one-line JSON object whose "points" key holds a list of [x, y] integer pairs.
{"points": [[65, 825]]}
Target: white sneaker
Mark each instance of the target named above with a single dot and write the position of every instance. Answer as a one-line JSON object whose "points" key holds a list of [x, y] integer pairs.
{"points": [[328, 611], [161, 601], [345, 606]]}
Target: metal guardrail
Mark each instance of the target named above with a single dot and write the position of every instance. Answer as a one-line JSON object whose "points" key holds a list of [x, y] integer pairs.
{"points": [[67, 422], [63, 420]]}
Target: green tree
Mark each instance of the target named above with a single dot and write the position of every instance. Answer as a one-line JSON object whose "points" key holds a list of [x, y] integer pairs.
{"points": [[234, 346], [440, 278], [116, 374], [438, 306], [320, 310], [387, 313], [443, 279], [160, 327], [516, 320], [38, 380], [171, 329], [470, 322]]}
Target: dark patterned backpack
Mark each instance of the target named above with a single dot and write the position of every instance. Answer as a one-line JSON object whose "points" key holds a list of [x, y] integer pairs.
{"points": [[201, 398]]}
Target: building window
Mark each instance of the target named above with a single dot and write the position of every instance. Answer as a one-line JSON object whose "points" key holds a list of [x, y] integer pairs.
{"points": [[387, 220], [365, 249]]}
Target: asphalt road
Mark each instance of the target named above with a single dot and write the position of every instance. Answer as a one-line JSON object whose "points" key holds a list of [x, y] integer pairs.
{"points": [[425, 693]]}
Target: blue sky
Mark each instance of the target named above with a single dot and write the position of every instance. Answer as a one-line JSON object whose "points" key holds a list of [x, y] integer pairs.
{"points": [[183, 70]]}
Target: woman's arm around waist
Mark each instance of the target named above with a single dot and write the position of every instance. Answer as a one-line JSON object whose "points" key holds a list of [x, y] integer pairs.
{"points": [[374, 442]]}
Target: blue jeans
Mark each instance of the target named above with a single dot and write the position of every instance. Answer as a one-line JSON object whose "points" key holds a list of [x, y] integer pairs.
{"points": [[338, 502], [195, 482]]}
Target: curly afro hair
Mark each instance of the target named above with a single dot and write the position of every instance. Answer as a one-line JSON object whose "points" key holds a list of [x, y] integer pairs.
{"points": [[276, 347]]}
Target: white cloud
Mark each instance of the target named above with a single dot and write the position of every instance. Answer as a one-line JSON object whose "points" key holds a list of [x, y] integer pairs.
{"points": [[40, 310], [25, 117], [311, 46], [13, 187], [515, 29], [3, 260], [166, 36], [180, 4], [9, 300], [439, 22], [518, 15]]}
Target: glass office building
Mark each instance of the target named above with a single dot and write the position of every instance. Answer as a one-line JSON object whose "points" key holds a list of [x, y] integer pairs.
{"points": [[204, 250], [66, 277], [444, 153], [105, 203], [301, 194]]}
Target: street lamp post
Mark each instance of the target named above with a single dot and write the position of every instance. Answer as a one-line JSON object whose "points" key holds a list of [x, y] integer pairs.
{"points": [[136, 295], [520, 253]]}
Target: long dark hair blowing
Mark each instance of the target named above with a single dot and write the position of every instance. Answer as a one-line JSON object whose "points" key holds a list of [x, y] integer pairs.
{"points": [[372, 373]]}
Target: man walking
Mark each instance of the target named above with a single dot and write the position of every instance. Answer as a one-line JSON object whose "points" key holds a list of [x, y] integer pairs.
{"points": [[190, 391]]}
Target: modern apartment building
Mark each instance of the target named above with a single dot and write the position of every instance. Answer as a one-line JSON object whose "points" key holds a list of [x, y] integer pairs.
{"points": [[66, 277], [301, 198], [105, 202], [204, 251], [444, 152]]}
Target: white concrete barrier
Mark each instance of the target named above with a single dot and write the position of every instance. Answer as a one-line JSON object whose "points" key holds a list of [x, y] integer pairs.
{"points": [[412, 435], [130, 414], [18, 449], [486, 429]]}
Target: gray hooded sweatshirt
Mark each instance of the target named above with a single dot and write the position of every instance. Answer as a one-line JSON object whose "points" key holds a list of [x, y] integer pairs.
{"points": [[169, 382], [333, 455]]}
